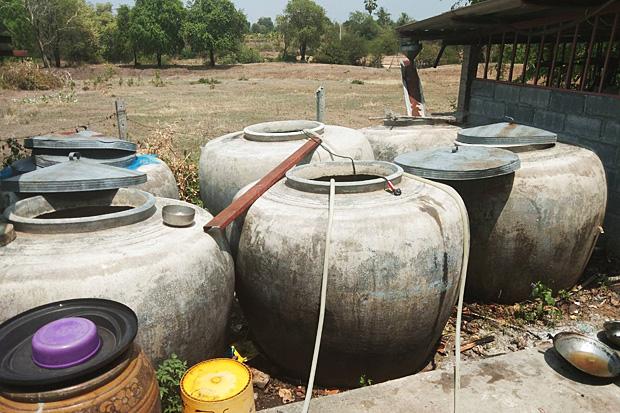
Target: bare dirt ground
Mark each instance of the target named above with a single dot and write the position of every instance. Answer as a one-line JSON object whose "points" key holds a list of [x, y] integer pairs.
{"points": [[239, 95]]}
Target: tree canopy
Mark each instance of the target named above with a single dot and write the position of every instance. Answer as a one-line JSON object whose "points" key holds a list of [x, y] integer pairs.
{"points": [[213, 27], [264, 25], [154, 26], [302, 23]]}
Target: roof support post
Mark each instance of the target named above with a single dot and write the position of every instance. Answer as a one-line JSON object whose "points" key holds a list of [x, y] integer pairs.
{"points": [[469, 70]]}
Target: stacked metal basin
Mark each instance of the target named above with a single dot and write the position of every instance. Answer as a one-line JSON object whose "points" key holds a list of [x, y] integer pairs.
{"points": [[53, 149]]}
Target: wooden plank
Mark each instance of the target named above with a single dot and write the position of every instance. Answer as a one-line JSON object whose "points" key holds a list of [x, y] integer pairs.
{"points": [[245, 201]]}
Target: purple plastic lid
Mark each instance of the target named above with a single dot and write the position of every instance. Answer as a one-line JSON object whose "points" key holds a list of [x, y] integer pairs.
{"points": [[64, 343]]}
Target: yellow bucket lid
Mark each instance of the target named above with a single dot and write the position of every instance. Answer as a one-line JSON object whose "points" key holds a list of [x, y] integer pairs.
{"points": [[215, 380]]}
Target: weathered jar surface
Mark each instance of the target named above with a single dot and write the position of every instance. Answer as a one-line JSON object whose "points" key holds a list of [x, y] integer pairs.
{"points": [[113, 244], [394, 267], [540, 224], [232, 161], [395, 138]]}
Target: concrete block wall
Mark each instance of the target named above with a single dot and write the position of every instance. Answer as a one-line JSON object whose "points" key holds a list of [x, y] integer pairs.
{"points": [[587, 120]]}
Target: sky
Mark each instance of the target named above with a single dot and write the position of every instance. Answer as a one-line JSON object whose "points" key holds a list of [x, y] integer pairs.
{"points": [[336, 9]]}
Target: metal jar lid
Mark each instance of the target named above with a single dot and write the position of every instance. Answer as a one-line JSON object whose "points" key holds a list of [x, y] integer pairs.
{"points": [[80, 140], [506, 134], [104, 157], [77, 175], [459, 163]]}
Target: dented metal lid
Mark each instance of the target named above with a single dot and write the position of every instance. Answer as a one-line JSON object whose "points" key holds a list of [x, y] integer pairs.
{"points": [[506, 134], [459, 163], [77, 175], [79, 140]]}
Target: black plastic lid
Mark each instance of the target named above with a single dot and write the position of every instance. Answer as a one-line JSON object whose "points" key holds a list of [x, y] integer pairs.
{"points": [[459, 163], [117, 326]]}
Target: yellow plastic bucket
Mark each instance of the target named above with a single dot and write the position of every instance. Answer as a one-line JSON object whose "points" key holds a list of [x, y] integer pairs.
{"points": [[218, 386]]}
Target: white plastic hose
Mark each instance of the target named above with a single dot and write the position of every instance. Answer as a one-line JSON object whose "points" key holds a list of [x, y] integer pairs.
{"points": [[459, 308], [319, 330]]}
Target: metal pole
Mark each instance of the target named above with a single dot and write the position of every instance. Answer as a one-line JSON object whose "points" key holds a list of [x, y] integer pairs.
{"points": [[320, 104], [121, 118]]}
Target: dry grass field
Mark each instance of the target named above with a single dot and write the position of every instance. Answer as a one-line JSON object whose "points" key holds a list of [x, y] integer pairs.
{"points": [[229, 98]]}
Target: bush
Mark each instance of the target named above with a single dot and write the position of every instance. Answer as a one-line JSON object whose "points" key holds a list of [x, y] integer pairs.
{"points": [[169, 374], [161, 142], [248, 55], [27, 75], [351, 50], [287, 57]]}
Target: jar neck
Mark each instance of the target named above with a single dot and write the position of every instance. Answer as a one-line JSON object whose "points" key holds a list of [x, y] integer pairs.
{"points": [[281, 131], [351, 177]]}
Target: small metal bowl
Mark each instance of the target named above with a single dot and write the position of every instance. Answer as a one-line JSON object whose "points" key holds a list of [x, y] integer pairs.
{"points": [[587, 354], [612, 332], [178, 215]]}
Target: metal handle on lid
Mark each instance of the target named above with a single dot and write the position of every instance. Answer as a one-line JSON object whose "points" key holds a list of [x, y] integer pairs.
{"points": [[509, 119], [73, 156]]}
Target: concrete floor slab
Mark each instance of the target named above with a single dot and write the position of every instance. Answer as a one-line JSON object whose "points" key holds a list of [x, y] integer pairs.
{"points": [[535, 380]]}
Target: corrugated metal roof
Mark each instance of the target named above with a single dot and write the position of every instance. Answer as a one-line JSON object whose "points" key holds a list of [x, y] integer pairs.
{"points": [[469, 24]]}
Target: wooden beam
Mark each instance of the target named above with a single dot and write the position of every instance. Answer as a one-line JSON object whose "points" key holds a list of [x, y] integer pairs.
{"points": [[245, 201]]}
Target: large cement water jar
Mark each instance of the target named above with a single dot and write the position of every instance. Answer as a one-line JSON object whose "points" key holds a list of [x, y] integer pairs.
{"points": [[402, 135], [52, 149], [539, 224], [230, 162], [394, 268], [83, 236], [96, 366]]}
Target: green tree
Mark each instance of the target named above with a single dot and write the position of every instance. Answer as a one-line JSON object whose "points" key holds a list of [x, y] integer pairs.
{"points": [[154, 27], [303, 23], [51, 27], [370, 6], [214, 27], [264, 25], [384, 19], [350, 50], [403, 19], [363, 25]]}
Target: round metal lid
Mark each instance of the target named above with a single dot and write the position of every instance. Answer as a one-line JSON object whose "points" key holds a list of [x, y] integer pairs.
{"points": [[506, 134], [80, 140], [46, 160], [77, 175], [459, 163]]}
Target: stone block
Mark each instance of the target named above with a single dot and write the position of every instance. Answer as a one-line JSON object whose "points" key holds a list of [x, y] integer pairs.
{"points": [[520, 113], [481, 88], [583, 126], [487, 107], [567, 102], [551, 121], [536, 97], [606, 106], [611, 132], [507, 93]]}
